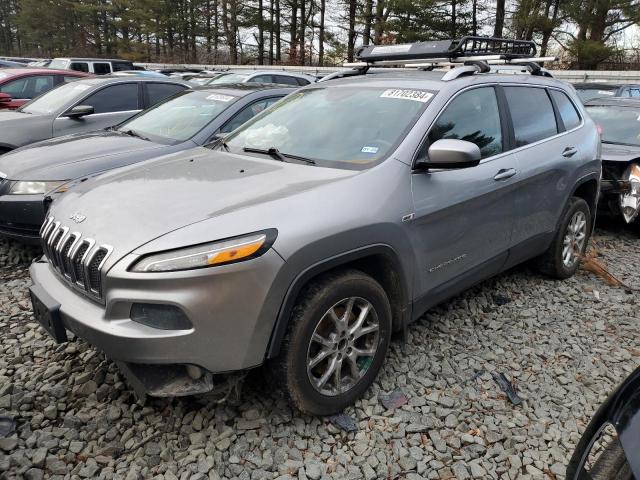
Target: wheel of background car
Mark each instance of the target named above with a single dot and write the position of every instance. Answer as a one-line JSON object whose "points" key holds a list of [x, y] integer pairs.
{"points": [[562, 258], [336, 343]]}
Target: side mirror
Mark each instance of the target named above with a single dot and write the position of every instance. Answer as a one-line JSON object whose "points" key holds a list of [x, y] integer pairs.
{"points": [[5, 98], [451, 153], [79, 111]]}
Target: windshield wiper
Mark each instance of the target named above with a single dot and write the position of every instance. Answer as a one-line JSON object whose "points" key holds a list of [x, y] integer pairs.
{"points": [[278, 155], [133, 133], [273, 151]]}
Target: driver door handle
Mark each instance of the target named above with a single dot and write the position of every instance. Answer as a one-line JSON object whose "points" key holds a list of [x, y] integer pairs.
{"points": [[569, 152], [505, 173]]}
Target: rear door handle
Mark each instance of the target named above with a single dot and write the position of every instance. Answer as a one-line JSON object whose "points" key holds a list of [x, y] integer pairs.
{"points": [[505, 173], [569, 152]]}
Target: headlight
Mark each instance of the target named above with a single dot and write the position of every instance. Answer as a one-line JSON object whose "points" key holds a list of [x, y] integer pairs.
{"points": [[208, 254], [33, 188]]}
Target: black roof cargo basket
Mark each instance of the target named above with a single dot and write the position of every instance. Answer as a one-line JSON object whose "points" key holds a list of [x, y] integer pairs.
{"points": [[468, 46]]}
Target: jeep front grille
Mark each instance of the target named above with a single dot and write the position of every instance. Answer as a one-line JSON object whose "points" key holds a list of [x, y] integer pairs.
{"points": [[79, 261]]}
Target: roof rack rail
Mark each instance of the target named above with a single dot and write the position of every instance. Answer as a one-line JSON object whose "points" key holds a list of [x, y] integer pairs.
{"points": [[468, 46]]}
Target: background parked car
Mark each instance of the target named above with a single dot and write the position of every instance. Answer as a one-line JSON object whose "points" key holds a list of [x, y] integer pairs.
{"points": [[98, 66], [619, 121], [82, 106], [589, 91], [191, 118], [19, 85], [264, 76], [11, 64], [143, 73]]}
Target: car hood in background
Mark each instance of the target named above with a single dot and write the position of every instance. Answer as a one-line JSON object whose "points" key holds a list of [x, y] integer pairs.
{"points": [[132, 206], [74, 156], [619, 153]]}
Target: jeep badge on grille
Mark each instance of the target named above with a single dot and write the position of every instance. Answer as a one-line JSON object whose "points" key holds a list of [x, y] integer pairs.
{"points": [[76, 217]]}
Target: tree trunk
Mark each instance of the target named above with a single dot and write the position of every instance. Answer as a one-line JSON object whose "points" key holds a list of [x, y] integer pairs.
{"points": [[323, 5], [499, 24], [271, 28], [260, 39], [368, 20], [208, 28], [352, 30], [293, 32], [276, 32], [474, 17], [453, 18], [302, 34], [381, 18]]}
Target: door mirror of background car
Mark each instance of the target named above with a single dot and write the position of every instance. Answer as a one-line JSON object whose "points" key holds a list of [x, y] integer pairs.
{"points": [[5, 98], [79, 111], [451, 153]]}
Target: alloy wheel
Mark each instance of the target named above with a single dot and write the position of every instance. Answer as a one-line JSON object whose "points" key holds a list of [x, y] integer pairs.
{"points": [[574, 239], [343, 346]]}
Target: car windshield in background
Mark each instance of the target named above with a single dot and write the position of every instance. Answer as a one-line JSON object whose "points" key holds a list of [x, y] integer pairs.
{"points": [[55, 99], [348, 125], [586, 94], [230, 78], [619, 124], [59, 64], [180, 118]]}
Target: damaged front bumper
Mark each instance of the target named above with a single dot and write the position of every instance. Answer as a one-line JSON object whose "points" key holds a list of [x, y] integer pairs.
{"points": [[625, 189]]}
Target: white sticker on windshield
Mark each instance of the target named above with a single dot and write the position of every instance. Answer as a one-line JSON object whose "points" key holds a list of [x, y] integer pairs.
{"points": [[218, 97], [605, 92], [368, 149], [415, 95], [384, 49], [82, 88]]}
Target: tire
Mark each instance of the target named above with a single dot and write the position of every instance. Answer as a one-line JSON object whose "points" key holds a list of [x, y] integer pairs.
{"points": [[553, 261], [311, 316], [611, 464]]}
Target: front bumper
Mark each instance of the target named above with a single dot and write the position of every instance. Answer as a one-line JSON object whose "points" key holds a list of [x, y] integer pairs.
{"points": [[224, 305], [21, 217]]}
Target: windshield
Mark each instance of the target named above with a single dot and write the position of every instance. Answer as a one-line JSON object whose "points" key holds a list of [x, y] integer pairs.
{"points": [[618, 124], [348, 125], [55, 99], [180, 118], [230, 78], [586, 94]]}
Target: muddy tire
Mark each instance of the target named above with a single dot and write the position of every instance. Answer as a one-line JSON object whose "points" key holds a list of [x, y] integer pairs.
{"points": [[611, 464], [336, 342], [562, 258]]}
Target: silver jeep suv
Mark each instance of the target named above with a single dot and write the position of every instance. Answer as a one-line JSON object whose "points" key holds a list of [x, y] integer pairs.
{"points": [[307, 236]]}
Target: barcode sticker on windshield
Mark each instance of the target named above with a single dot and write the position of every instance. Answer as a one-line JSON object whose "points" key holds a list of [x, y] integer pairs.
{"points": [[415, 95], [605, 92], [218, 97]]}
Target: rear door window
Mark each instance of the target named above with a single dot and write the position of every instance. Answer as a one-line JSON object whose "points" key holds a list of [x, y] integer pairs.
{"points": [[79, 67], [115, 98], [568, 113], [156, 92], [121, 66], [247, 113], [286, 80], [101, 68], [532, 114], [302, 81], [472, 116], [635, 92], [262, 79]]}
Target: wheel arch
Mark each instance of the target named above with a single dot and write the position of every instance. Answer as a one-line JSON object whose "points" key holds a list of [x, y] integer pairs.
{"points": [[588, 188], [381, 262]]}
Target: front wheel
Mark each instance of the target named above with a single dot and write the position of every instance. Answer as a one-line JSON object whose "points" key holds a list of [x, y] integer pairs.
{"points": [[337, 340], [562, 258]]}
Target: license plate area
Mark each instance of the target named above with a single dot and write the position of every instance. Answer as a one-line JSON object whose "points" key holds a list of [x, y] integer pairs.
{"points": [[47, 312]]}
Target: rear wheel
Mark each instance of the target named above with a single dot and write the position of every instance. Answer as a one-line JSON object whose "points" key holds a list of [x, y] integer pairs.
{"points": [[337, 340], [562, 258]]}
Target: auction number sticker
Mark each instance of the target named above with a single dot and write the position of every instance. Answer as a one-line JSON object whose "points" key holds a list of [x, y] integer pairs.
{"points": [[605, 92], [218, 97], [386, 49], [415, 95]]}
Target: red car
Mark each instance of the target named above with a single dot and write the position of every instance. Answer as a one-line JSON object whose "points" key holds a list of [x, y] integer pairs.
{"points": [[19, 85]]}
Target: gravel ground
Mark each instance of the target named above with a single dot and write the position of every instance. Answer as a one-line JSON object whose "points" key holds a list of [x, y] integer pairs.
{"points": [[564, 345]]}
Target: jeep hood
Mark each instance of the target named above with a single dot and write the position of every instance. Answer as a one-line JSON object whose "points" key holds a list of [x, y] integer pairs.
{"points": [[74, 156], [134, 205], [612, 152]]}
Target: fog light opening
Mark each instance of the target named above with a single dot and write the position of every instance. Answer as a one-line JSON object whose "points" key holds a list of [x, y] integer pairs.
{"points": [[163, 317]]}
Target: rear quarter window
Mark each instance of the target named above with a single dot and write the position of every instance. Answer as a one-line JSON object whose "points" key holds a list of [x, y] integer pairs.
{"points": [[79, 67], [532, 114], [568, 113]]}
